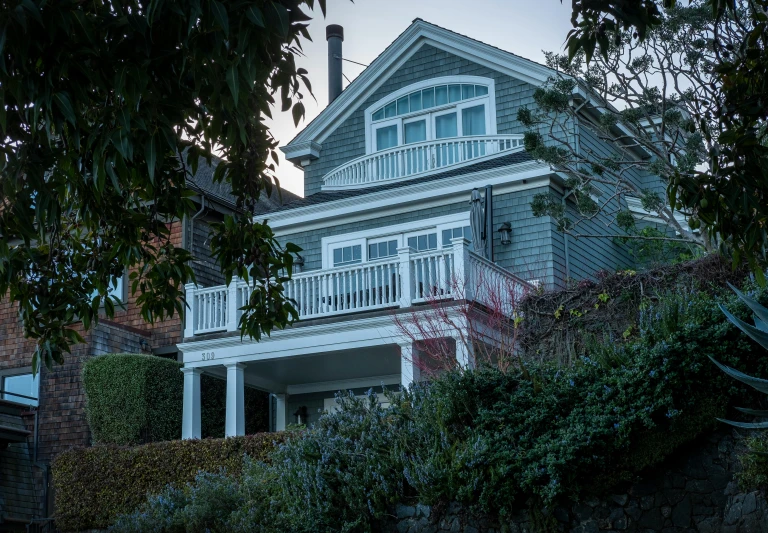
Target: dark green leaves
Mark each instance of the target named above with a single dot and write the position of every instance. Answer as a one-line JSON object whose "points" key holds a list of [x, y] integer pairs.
{"points": [[100, 104]]}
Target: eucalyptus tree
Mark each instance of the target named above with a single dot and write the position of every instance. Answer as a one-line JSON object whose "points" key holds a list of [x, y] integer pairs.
{"points": [[656, 100], [97, 102]]}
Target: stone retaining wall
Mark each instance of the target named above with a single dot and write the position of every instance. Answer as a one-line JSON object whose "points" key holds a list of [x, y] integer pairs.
{"points": [[692, 491]]}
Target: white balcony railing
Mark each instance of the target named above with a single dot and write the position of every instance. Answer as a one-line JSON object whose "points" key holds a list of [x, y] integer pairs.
{"points": [[408, 279], [412, 160]]}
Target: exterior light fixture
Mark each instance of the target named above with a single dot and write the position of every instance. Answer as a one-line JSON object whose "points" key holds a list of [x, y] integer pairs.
{"points": [[301, 415], [505, 231], [299, 263]]}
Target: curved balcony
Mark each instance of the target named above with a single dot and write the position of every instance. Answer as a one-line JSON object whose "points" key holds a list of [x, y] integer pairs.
{"points": [[413, 160]]}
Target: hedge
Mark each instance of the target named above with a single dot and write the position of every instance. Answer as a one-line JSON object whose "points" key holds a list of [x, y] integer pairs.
{"points": [[137, 398], [95, 485]]}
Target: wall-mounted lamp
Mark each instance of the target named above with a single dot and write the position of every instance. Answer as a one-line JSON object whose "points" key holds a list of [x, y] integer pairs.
{"points": [[301, 415], [299, 263], [505, 231]]}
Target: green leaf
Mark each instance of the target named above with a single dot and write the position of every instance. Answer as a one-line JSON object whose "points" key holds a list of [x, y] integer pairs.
{"points": [[753, 412], [254, 15], [65, 106], [151, 156], [745, 425], [755, 334], [760, 311], [220, 14], [233, 82], [756, 383]]}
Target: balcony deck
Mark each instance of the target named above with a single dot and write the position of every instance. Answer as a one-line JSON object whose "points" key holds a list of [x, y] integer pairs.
{"points": [[413, 160], [408, 279]]}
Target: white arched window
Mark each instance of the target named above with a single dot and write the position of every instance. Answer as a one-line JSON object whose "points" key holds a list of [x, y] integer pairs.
{"points": [[439, 108]]}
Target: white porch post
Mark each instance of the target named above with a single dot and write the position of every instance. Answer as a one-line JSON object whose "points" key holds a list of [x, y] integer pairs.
{"points": [[465, 355], [232, 304], [461, 268], [409, 371], [190, 420], [235, 419], [281, 405], [406, 289], [189, 313]]}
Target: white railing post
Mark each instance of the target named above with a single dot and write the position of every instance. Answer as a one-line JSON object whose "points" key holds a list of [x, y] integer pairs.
{"points": [[190, 311], [462, 267], [233, 303], [406, 289]]}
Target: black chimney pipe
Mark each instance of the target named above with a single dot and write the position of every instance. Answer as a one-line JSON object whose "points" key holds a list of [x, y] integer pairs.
{"points": [[334, 34]]}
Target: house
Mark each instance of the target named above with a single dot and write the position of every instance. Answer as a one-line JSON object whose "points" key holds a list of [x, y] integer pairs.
{"points": [[389, 168], [43, 415]]}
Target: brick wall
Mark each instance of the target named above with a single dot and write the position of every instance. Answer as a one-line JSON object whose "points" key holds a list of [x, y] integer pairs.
{"points": [[61, 411]]}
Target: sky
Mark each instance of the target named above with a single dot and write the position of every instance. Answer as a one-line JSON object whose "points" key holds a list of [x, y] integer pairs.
{"points": [[524, 27]]}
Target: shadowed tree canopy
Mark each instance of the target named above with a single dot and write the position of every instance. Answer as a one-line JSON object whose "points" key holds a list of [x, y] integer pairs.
{"points": [[730, 198], [97, 102]]}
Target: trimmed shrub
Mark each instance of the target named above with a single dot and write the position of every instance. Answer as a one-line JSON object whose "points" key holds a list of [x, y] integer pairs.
{"points": [[133, 398], [95, 485], [137, 398]]}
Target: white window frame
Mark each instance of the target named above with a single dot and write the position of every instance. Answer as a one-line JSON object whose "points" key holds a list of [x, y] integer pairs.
{"points": [[410, 120], [489, 99], [13, 372], [377, 240], [385, 233], [385, 124], [363, 252]]}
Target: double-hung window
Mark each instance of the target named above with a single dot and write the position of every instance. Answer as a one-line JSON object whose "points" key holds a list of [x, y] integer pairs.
{"points": [[441, 108]]}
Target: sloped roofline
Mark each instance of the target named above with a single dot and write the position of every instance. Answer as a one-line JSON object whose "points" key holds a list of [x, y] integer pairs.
{"points": [[308, 142]]}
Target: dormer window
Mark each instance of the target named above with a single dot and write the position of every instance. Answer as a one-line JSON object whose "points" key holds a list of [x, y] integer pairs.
{"points": [[440, 108]]}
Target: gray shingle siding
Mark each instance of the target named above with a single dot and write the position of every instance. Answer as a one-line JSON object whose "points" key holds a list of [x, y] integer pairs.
{"points": [[348, 140], [529, 256]]}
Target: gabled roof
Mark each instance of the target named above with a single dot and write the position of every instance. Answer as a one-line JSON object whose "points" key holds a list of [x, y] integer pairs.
{"points": [[309, 141]]}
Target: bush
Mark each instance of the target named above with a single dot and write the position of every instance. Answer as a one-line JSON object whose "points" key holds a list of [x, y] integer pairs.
{"points": [[95, 485], [133, 398], [137, 398], [494, 441]]}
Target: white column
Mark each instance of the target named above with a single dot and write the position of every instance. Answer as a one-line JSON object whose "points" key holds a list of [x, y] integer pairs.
{"points": [[409, 371], [404, 255], [235, 420], [281, 404], [190, 420], [189, 312], [465, 355]]}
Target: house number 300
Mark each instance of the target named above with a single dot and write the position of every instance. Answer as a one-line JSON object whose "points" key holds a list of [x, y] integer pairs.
{"points": [[207, 356]]}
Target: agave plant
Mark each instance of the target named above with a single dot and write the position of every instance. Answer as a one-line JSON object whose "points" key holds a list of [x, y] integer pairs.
{"points": [[758, 333]]}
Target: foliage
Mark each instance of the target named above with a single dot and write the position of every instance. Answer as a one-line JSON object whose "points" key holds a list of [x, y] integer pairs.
{"points": [[759, 334], [94, 114], [339, 476], [495, 441], [133, 398], [95, 485], [644, 108], [754, 463], [136, 398], [728, 198], [558, 325]]}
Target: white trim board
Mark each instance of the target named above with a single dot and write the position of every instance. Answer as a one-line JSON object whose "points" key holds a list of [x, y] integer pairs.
{"points": [[396, 54], [344, 384], [406, 199]]}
